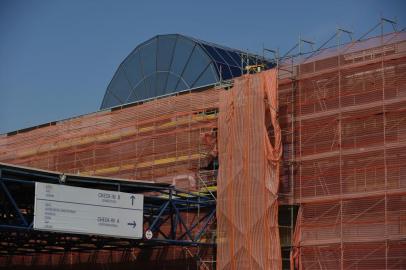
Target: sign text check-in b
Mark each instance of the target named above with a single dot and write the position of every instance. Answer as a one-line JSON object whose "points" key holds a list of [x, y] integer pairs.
{"points": [[70, 209]]}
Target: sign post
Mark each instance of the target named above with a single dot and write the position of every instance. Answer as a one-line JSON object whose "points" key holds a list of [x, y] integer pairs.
{"points": [[70, 209]]}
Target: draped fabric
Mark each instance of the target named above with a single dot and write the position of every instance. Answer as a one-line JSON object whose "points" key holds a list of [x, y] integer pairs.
{"points": [[247, 207]]}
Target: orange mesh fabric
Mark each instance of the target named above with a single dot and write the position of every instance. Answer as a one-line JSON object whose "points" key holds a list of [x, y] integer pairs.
{"points": [[349, 156], [160, 140], [247, 207]]}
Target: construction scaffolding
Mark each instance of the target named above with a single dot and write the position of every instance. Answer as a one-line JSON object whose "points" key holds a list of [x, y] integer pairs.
{"points": [[342, 180], [165, 140], [169, 140], [343, 115], [169, 214]]}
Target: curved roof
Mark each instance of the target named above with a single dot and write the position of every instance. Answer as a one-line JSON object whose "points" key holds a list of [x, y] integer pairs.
{"points": [[172, 63]]}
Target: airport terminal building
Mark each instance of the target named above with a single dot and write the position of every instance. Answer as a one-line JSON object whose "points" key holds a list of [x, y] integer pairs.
{"points": [[207, 157]]}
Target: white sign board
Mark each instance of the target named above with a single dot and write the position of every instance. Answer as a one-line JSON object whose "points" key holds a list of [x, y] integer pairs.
{"points": [[70, 209]]}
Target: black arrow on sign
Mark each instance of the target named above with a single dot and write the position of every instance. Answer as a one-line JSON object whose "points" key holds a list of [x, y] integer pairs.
{"points": [[132, 224], [132, 199]]}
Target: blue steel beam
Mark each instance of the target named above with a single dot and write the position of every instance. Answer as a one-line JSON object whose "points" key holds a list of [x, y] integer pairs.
{"points": [[13, 202], [159, 211]]}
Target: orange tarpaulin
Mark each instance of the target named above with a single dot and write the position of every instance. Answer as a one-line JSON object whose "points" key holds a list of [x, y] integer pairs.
{"points": [[247, 207]]}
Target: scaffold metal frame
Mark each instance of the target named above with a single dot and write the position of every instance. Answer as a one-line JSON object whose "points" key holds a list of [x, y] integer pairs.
{"points": [[164, 209]]}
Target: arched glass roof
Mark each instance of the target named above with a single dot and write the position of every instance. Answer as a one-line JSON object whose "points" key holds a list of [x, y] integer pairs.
{"points": [[168, 64]]}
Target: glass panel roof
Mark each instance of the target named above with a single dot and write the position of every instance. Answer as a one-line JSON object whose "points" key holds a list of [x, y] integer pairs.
{"points": [[172, 63]]}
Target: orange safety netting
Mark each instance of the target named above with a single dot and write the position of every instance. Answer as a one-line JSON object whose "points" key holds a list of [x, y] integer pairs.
{"points": [[247, 207], [163, 140], [169, 140], [343, 120], [347, 144]]}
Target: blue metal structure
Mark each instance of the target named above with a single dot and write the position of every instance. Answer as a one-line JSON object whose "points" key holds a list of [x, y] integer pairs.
{"points": [[165, 208], [167, 64]]}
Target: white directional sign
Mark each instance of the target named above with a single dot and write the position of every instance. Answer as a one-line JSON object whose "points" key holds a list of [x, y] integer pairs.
{"points": [[88, 211]]}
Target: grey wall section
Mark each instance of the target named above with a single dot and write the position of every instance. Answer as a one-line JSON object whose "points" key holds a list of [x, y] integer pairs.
{"points": [[172, 63]]}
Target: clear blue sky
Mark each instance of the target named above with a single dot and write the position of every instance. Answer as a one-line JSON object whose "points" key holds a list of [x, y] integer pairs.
{"points": [[57, 57]]}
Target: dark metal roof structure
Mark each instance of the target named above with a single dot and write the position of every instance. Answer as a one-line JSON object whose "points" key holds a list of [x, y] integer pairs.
{"points": [[167, 64]]}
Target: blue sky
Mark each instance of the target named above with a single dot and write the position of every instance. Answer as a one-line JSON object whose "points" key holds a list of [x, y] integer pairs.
{"points": [[57, 57]]}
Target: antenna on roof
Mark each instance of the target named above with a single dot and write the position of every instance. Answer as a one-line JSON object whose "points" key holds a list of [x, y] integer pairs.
{"points": [[381, 23], [392, 22], [304, 41], [275, 54], [337, 35], [299, 45], [342, 30]]}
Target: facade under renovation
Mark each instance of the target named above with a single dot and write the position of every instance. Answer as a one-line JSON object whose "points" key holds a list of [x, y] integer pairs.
{"points": [[293, 162]]}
